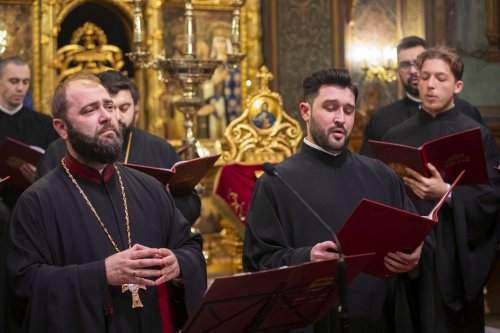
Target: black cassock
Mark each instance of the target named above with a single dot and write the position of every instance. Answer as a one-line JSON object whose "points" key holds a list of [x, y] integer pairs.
{"points": [[57, 248], [395, 113], [28, 126], [145, 149], [457, 257], [280, 231], [32, 128]]}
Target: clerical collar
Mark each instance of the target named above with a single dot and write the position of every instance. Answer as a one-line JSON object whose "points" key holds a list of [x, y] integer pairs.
{"points": [[11, 112], [81, 170], [413, 98], [315, 146], [440, 115]]}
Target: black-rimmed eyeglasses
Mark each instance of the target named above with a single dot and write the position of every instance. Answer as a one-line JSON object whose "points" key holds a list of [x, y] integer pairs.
{"points": [[406, 65]]}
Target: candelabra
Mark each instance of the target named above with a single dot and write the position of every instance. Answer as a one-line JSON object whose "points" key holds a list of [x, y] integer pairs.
{"points": [[236, 56], [385, 73], [377, 65], [190, 71]]}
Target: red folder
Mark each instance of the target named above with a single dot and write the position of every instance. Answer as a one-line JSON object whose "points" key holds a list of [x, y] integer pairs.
{"points": [[378, 228], [183, 176], [13, 154], [450, 155], [280, 298]]}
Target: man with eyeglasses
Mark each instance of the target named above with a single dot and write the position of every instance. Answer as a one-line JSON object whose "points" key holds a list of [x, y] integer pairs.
{"points": [[395, 113]]}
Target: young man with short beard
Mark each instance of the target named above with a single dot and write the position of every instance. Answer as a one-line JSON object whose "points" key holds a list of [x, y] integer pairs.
{"points": [[95, 246], [333, 181]]}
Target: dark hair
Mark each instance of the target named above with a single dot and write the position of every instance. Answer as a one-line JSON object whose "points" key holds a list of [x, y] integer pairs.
{"points": [[331, 76], [115, 81], [448, 55], [411, 42], [59, 101], [11, 60]]}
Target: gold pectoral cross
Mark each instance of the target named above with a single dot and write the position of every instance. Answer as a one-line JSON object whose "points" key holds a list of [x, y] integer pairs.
{"points": [[134, 290]]}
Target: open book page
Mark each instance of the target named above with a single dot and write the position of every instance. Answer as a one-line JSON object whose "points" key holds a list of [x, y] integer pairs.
{"points": [[187, 174], [399, 157], [13, 154], [38, 149], [379, 228], [449, 154], [434, 212], [3, 181], [160, 174], [183, 176]]}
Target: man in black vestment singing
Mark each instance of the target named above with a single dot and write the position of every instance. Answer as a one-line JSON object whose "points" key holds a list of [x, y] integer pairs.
{"points": [[333, 181], [19, 122], [457, 256], [139, 147], [395, 113], [95, 246]]}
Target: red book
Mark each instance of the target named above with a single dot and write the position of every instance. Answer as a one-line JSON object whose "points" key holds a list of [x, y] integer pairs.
{"points": [[378, 228], [280, 298], [13, 154], [183, 176], [450, 155]]}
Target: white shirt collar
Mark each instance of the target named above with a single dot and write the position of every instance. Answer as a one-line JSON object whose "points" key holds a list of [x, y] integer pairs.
{"points": [[413, 98], [11, 112], [315, 146]]}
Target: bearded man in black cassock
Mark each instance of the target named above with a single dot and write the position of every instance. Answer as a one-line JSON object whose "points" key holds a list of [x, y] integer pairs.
{"points": [[458, 255], [333, 181], [95, 246], [139, 147]]}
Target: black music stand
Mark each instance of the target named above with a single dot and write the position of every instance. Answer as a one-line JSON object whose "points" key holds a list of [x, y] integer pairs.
{"points": [[281, 298]]}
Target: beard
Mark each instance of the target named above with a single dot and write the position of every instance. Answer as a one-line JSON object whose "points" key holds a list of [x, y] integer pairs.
{"points": [[94, 148], [126, 130], [321, 137], [410, 88]]}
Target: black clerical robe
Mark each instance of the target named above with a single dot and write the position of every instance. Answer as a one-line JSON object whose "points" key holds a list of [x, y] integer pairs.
{"points": [[395, 113], [32, 128], [281, 231], [457, 257], [145, 149], [57, 248]]}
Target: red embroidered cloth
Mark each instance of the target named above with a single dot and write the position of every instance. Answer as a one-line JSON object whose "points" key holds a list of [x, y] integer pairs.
{"points": [[235, 185]]}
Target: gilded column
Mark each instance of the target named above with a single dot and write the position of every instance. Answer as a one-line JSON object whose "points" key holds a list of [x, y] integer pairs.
{"points": [[154, 112]]}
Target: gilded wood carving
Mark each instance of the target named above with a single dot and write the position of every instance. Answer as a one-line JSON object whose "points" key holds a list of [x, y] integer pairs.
{"points": [[53, 12]]}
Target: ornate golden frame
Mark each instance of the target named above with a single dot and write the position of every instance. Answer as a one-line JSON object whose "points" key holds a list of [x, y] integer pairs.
{"points": [[51, 13]]}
